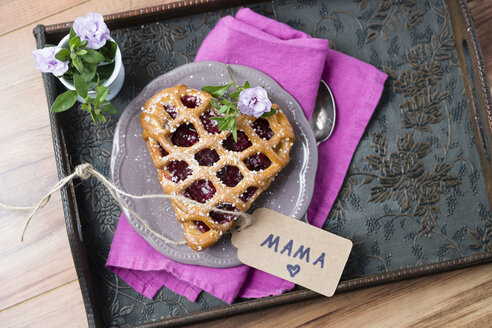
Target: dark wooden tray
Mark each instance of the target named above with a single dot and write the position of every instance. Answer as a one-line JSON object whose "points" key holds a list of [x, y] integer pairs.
{"points": [[418, 194]]}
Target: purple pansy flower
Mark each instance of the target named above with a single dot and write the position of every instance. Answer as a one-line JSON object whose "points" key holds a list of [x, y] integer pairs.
{"points": [[45, 61], [254, 101], [92, 28]]}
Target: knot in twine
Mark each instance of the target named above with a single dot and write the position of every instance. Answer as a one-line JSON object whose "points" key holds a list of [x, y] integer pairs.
{"points": [[83, 171], [86, 170]]}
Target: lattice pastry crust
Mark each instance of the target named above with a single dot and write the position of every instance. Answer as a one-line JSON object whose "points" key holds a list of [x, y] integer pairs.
{"points": [[194, 159]]}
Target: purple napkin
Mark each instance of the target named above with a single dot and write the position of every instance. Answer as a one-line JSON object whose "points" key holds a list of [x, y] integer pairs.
{"points": [[297, 62]]}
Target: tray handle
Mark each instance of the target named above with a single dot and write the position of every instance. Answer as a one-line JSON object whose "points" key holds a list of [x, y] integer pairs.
{"points": [[476, 85], [476, 109]]}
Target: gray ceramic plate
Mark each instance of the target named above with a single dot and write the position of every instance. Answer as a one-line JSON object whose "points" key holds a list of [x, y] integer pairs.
{"points": [[132, 168]]}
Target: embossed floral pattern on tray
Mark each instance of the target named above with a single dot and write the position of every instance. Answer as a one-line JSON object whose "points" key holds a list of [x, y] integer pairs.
{"points": [[414, 193]]}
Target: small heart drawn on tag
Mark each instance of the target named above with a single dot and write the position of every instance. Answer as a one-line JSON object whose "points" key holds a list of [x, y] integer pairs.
{"points": [[293, 269]]}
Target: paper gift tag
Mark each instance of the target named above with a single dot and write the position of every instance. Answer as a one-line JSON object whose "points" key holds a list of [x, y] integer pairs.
{"points": [[293, 250]]}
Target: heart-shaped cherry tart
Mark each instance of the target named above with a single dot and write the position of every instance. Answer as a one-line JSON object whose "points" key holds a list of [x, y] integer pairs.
{"points": [[204, 165]]}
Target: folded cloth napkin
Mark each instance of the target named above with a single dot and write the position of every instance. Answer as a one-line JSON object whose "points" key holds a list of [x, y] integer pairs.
{"points": [[297, 62]]}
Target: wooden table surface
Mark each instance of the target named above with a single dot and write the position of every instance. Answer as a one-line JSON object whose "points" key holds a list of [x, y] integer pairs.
{"points": [[39, 286]]}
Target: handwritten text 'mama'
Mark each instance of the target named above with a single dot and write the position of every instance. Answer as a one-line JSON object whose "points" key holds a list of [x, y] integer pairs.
{"points": [[301, 251]]}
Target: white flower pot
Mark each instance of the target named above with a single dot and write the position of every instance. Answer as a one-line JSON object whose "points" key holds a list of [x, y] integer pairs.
{"points": [[115, 81]]}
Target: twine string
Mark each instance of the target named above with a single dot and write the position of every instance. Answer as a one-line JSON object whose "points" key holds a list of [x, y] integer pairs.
{"points": [[86, 170]]}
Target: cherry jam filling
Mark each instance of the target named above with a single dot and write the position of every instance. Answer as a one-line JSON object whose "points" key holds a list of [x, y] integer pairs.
{"points": [[190, 101], [211, 126], [262, 128], [207, 157], [241, 144], [201, 226], [171, 110], [230, 175], [178, 171], [200, 191], [257, 162], [246, 196], [162, 151], [222, 218], [185, 135]]}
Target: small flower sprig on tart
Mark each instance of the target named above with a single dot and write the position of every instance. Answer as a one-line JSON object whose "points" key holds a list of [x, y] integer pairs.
{"points": [[245, 100]]}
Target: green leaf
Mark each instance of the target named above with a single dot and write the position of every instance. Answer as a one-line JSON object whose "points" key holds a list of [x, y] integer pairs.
{"points": [[246, 85], [80, 85], [217, 91], [223, 109], [109, 51], [92, 56], [88, 72], [81, 52], [223, 125], [102, 93], [217, 118], [74, 42], [78, 64], [234, 110], [221, 121], [270, 113], [90, 101], [235, 94], [83, 44], [85, 106], [214, 103], [105, 71], [234, 131], [101, 118], [64, 101], [63, 55], [72, 34], [68, 74], [107, 107], [94, 117], [231, 123]]}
